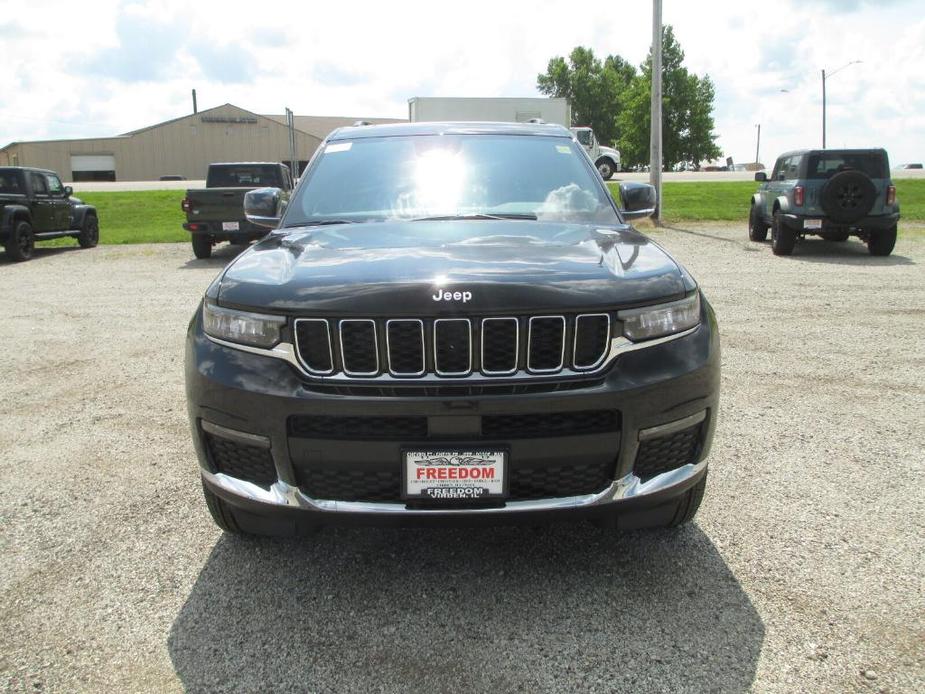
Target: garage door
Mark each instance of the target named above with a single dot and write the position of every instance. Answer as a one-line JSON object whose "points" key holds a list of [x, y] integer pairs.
{"points": [[93, 167]]}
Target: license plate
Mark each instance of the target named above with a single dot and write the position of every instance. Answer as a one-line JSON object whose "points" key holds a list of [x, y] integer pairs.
{"points": [[458, 475], [812, 223], [230, 226]]}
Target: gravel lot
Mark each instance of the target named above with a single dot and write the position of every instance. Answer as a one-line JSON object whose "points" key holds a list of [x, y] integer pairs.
{"points": [[803, 571]]}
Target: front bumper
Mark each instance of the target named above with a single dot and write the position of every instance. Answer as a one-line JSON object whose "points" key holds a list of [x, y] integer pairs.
{"points": [[656, 390]]}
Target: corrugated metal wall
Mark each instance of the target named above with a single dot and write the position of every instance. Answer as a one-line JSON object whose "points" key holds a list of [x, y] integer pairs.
{"points": [[184, 147]]}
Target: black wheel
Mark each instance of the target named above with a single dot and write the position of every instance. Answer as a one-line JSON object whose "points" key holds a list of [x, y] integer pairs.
{"points": [[783, 238], [89, 235], [21, 243], [757, 229], [689, 504], [606, 168], [202, 246], [848, 196], [836, 236], [221, 513], [882, 242]]}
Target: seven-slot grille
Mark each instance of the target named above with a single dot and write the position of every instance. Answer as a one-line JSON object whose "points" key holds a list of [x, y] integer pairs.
{"points": [[452, 347]]}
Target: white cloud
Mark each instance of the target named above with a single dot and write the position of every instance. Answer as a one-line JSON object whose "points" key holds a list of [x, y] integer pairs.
{"points": [[107, 67]]}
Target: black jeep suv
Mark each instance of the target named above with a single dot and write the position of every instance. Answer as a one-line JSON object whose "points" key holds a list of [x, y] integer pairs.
{"points": [[34, 206], [452, 322], [835, 193]]}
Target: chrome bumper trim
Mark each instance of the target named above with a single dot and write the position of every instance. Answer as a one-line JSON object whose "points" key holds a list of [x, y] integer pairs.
{"points": [[282, 495], [671, 427], [235, 435]]}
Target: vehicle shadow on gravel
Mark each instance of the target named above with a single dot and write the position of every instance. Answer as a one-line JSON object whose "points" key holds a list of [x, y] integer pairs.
{"points": [[221, 256], [564, 608], [850, 252], [38, 253]]}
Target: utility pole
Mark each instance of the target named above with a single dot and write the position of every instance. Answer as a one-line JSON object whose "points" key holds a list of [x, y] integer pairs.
{"points": [[293, 163], [655, 129], [823, 109], [757, 145]]}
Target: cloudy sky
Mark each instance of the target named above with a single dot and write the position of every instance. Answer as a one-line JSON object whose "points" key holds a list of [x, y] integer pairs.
{"points": [[105, 67]]}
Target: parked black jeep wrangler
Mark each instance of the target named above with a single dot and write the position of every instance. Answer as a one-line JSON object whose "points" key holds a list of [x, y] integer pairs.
{"points": [[34, 206], [834, 193]]}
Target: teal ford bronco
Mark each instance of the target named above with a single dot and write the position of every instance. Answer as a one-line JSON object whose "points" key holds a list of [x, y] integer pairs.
{"points": [[833, 193]]}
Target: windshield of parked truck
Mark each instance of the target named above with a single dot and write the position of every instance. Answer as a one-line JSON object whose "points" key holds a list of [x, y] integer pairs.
{"points": [[243, 176], [467, 175]]}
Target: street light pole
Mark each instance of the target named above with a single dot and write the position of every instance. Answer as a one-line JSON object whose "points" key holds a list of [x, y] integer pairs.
{"points": [[824, 77], [655, 126], [757, 145]]}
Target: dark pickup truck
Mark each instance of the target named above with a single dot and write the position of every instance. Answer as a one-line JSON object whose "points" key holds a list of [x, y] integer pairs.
{"points": [[216, 213], [35, 206]]}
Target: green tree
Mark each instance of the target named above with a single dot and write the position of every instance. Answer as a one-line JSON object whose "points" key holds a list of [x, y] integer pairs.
{"points": [[594, 88], [687, 111]]}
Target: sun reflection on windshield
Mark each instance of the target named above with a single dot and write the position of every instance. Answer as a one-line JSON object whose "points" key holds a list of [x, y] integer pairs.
{"points": [[439, 178]]}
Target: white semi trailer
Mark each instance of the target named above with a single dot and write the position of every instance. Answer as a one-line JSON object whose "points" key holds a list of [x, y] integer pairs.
{"points": [[513, 110], [489, 109]]}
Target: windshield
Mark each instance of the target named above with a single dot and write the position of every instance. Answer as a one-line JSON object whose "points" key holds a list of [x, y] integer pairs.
{"points": [[243, 176], [414, 177]]}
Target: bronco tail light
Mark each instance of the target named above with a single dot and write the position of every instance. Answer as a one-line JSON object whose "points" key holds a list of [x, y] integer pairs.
{"points": [[185, 205], [798, 196], [891, 195]]}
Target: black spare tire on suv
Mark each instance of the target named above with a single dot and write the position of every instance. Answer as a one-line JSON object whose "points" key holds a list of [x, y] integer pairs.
{"points": [[848, 196]]}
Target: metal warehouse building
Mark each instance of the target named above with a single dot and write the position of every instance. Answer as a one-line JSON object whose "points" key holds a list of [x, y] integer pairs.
{"points": [[181, 147]]}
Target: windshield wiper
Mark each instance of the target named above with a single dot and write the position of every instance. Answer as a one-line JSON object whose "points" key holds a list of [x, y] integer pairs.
{"points": [[443, 218]]}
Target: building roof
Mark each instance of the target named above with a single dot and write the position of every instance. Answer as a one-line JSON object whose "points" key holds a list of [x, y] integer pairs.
{"points": [[322, 126], [316, 126]]}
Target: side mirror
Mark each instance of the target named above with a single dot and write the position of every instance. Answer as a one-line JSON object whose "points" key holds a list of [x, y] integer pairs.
{"points": [[637, 200], [761, 177], [68, 191], [264, 207]]}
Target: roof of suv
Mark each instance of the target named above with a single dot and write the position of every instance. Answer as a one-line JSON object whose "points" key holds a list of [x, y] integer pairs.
{"points": [[846, 150], [449, 128]]}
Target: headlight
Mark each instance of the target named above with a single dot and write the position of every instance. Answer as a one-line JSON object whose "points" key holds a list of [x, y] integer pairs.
{"points": [[664, 319], [255, 329]]}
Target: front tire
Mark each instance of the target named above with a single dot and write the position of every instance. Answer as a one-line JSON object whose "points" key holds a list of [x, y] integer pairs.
{"points": [[89, 235], [757, 229], [202, 246], [606, 169], [783, 238], [882, 242], [221, 513], [689, 504], [21, 243]]}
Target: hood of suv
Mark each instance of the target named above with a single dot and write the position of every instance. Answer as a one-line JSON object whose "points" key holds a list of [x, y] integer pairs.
{"points": [[451, 267]]}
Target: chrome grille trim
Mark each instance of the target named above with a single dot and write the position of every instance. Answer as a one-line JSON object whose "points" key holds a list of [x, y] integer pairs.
{"points": [[437, 323], [340, 335], [589, 367], [619, 345], [511, 372], [388, 347], [552, 370], [302, 360]]}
